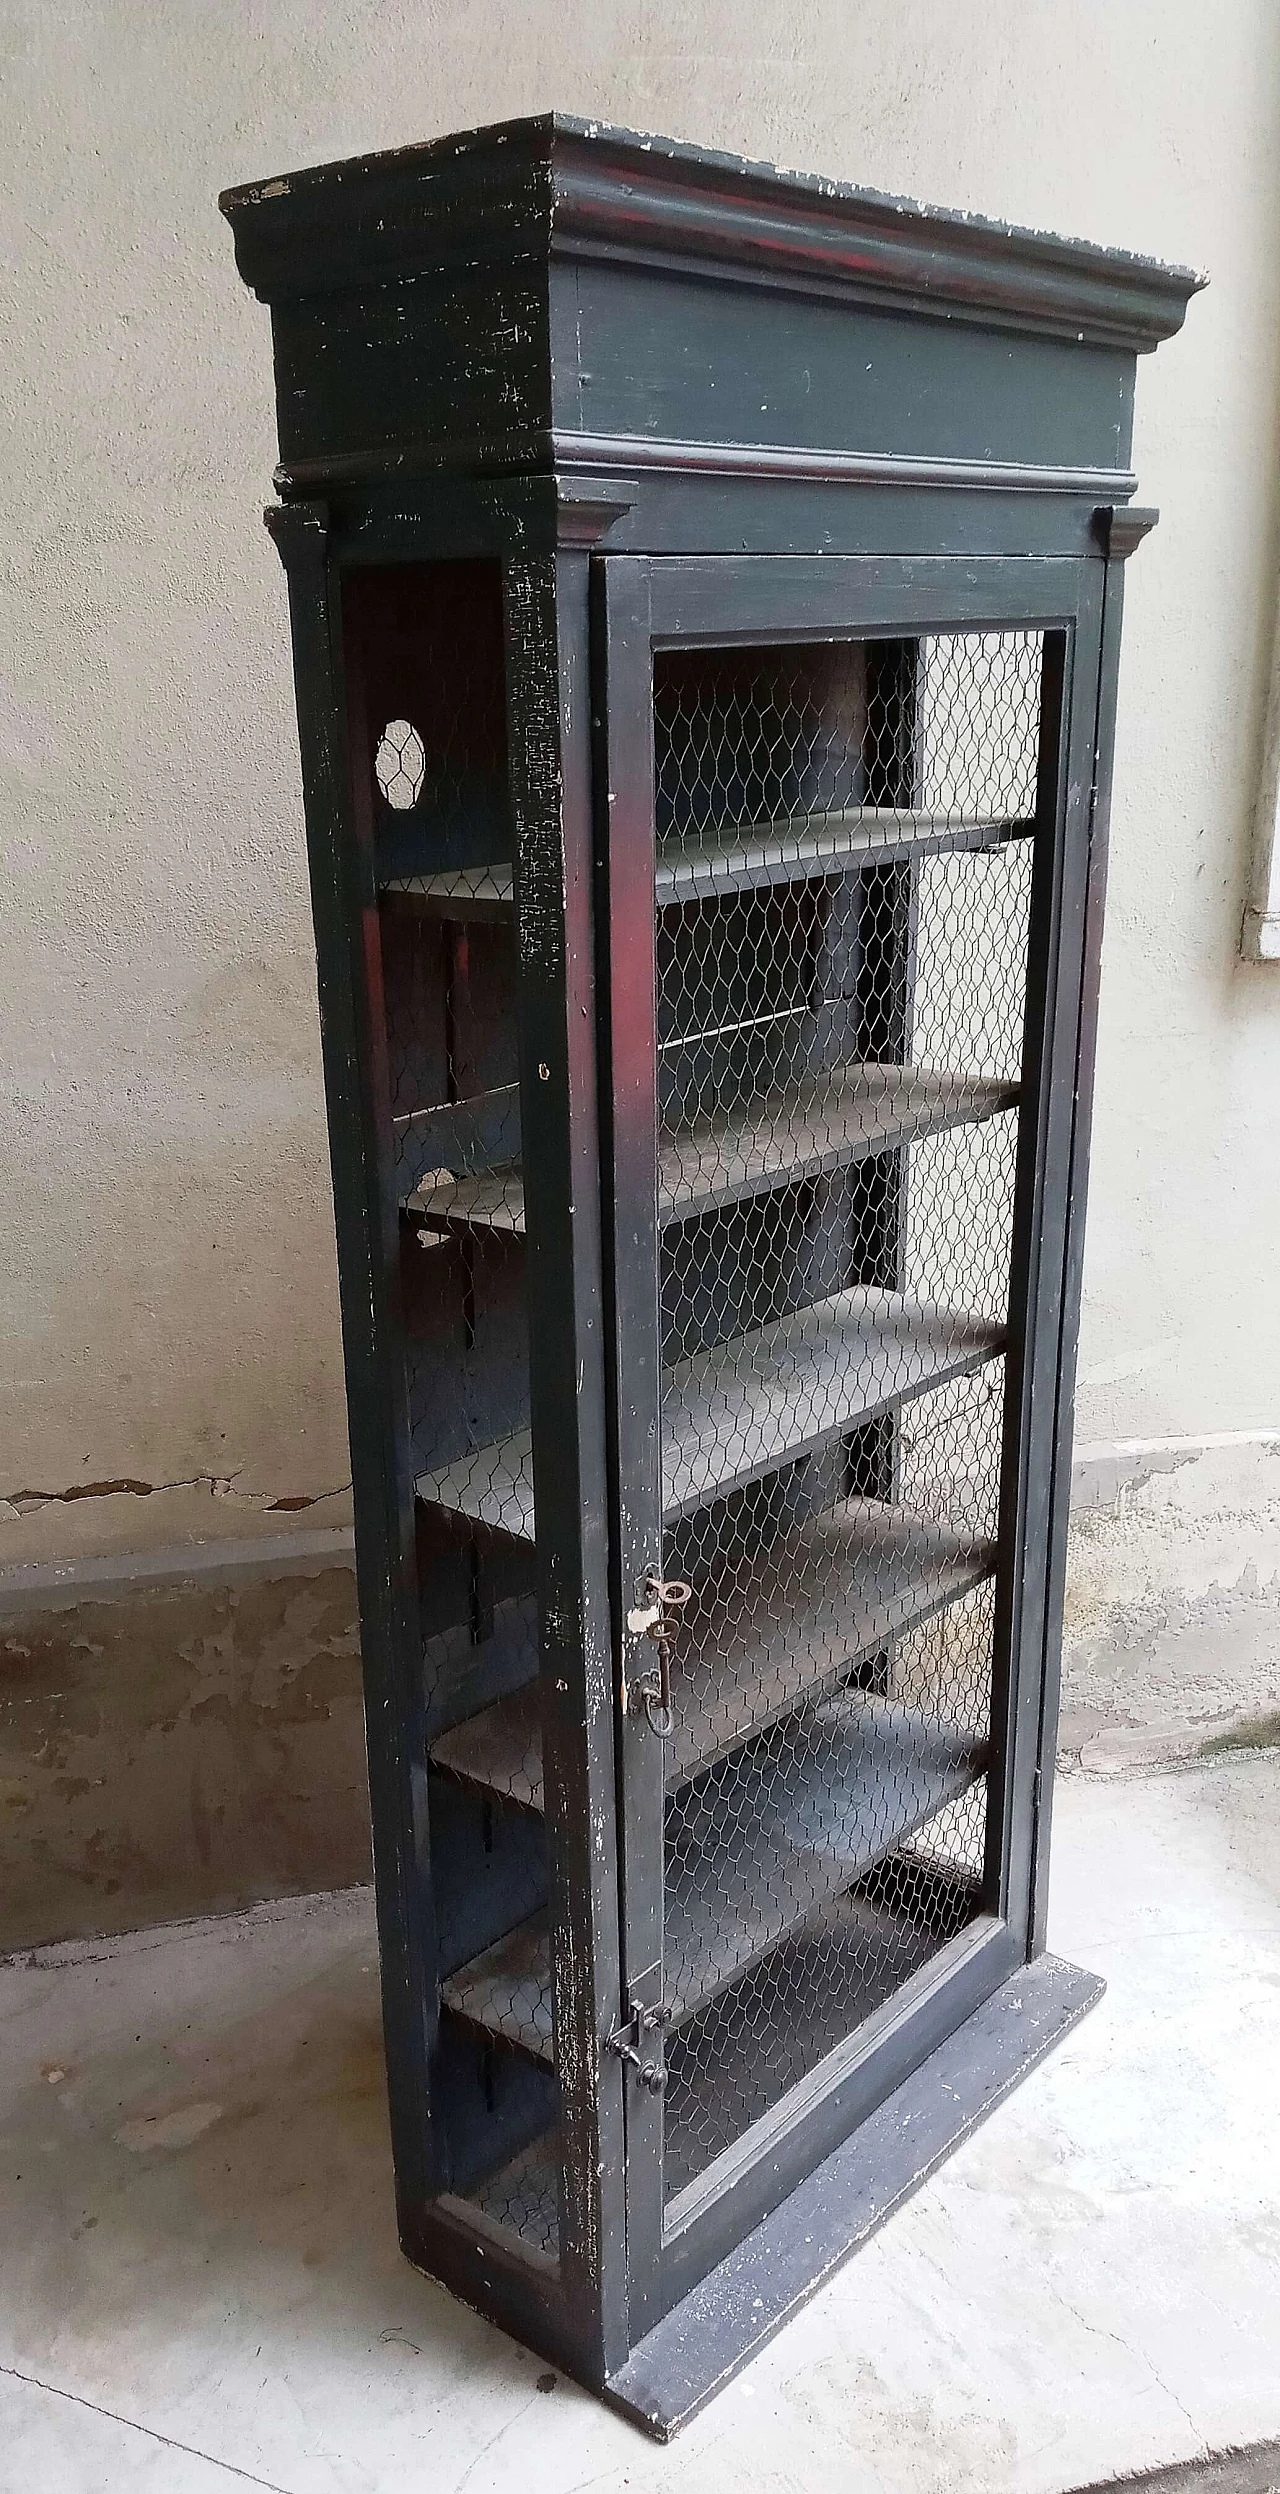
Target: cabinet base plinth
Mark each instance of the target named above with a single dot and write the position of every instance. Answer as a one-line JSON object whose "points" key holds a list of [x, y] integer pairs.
{"points": [[743, 2303]]}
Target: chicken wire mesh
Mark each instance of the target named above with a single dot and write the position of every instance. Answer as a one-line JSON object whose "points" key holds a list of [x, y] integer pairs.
{"points": [[842, 912], [841, 945]]}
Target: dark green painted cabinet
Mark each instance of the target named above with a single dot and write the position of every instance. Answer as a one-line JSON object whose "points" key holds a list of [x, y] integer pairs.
{"points": [[705, 592]]}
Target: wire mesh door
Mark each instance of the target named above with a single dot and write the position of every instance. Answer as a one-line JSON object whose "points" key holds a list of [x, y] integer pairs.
{"points": [[836, 866]]}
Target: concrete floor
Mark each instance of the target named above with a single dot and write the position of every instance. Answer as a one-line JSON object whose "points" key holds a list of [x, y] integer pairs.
{"points": [[200, 2287]]}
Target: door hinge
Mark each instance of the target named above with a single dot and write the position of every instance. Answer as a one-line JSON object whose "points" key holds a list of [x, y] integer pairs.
{"points": [[628, 2041]]}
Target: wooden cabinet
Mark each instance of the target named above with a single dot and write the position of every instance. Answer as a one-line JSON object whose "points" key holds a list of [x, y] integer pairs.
{"points": [[706, 592]]}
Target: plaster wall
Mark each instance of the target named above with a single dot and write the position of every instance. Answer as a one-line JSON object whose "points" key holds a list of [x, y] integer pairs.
{"points": [[169, 1354]]}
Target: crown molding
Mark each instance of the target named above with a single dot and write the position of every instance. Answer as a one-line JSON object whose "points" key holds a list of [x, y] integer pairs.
{"points": [[555, 187]]}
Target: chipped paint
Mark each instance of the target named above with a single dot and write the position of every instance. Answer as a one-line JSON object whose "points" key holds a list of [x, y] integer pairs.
{"points": [[179, 2129], [536, 775]]}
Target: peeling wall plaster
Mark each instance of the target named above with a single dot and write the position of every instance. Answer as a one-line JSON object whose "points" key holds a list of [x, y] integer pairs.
{"points": [[182, 1747]]}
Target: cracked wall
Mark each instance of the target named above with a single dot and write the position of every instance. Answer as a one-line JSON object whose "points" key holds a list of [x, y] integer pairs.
{"points": [[218, 1485]]}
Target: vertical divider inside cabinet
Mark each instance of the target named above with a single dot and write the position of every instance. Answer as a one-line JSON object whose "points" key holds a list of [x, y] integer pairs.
{"points": [[888, 910]]}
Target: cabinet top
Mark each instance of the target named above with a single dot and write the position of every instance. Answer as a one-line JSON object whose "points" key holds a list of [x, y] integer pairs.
{"points": [[555, 188]]}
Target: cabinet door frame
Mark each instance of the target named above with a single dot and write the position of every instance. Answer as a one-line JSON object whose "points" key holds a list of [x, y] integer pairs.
{"points": [[642, 603]]}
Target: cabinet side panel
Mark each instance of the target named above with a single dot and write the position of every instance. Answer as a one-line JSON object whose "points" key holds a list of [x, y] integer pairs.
{"points": [[458, 366], [348, 971]]}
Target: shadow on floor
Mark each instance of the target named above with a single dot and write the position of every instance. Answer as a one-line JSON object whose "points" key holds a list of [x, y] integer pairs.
{"points": [[1255, 2471], [225, 2144]]}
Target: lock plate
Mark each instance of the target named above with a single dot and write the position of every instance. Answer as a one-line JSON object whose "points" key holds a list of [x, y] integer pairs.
{"points": [[633, 2039]]}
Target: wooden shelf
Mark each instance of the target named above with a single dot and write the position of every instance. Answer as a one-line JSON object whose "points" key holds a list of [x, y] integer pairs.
{"points": [[753, 1404], [803, 1130], [492, 1201], [470, 893], [819, 846], [492, 1488], [763, 1399], [805, 1823], [744, 857], [524, 2195], [836, 1589], [723, 2073], [771, 2027], [460, 1138]]}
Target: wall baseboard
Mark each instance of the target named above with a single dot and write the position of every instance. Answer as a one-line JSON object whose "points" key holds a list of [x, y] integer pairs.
{"points": [[45, 1581], [182, 1733], [182, 1730]]}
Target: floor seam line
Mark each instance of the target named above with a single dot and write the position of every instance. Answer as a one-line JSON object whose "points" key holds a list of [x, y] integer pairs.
{"points": [[169, 2442]]}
